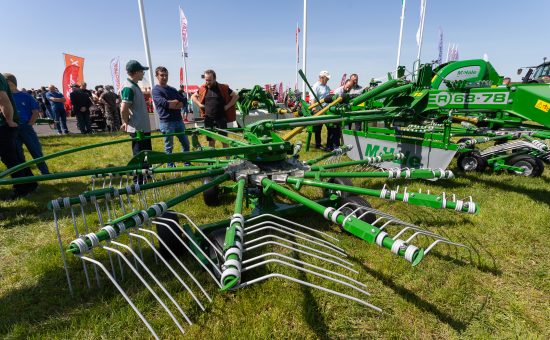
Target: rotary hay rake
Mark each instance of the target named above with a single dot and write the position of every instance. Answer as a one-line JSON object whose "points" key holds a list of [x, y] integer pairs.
{"points": [[132, 228]]}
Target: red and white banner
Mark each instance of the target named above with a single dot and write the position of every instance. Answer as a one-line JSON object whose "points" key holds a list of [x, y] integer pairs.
{"points": [[115, 73], [70, 76], [297, 44], [181, 76], [76, 61], [183, 28]]}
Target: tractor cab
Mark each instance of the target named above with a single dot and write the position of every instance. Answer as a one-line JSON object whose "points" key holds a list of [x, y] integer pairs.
{"points": [[536, 74]]}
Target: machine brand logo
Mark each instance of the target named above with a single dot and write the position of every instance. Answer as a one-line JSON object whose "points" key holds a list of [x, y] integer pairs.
{"points": [[467, 73], [484, 98], [408, 160]]}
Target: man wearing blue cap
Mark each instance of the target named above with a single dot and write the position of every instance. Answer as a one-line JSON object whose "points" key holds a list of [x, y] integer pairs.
{"points": [[133, 110]]}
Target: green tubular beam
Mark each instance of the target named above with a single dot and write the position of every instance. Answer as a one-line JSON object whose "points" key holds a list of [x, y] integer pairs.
{"points": [[374, 92], [398, 90], [230, 242], [187, 168], [419, 199], [221, 138], [382, 158], [62, 175], [257, 152], [102, 192], [412, 173], [357, 227], [128, 219]]}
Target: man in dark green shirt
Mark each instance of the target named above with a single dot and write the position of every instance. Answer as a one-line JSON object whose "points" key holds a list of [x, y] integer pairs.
{"points": [[8, 146]]}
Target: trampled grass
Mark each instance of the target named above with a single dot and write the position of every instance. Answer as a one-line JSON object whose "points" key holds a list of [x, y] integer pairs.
{"points": [[500, 290]]}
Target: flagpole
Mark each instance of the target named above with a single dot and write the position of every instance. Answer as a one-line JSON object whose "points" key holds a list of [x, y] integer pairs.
{"points": [[304, 50], [422, 18], [400, 34], [147, 52]]}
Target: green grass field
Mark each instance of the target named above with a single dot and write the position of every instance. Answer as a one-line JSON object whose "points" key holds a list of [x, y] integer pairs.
{"points": [[499, 290]]}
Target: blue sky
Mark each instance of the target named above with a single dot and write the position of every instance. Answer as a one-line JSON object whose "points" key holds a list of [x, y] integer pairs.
{"points": [[252, 42]]}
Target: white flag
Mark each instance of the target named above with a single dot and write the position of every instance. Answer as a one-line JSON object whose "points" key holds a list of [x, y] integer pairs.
{"points": [[421, 25], [183, 27]]}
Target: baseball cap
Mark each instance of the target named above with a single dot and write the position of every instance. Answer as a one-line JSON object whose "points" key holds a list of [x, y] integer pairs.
{"points": [[324, 74], [134, 66]]}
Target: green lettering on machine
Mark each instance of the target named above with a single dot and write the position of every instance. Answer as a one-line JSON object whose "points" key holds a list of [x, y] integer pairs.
{"points": [[373, 150]]}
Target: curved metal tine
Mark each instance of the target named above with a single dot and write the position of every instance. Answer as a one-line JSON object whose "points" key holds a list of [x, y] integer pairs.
{"points": [[293, 223], [193, 241], [172, 316], [62, 249], [299, 245], [169, 267], [93, 199], [305, 264], [300, 251], [447, 242], [150, 232], [219, 251], [193, 254], [418, 231], [85, 223], [312, 272], [122, 292], [293, 279], [260, 226], [77, 233]]}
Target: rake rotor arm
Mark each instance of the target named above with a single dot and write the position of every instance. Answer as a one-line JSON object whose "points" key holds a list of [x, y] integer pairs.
{"points": [[65, 202], [353, 225], [234, 241], [419, 199], [137, 218]]}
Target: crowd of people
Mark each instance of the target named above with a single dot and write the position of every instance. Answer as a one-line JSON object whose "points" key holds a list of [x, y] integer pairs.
{"points": [[128, 111], [321, 91]]}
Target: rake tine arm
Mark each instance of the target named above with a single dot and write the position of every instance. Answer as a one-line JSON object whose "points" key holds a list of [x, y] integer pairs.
{"points": [[355, 226], [137, 218]]}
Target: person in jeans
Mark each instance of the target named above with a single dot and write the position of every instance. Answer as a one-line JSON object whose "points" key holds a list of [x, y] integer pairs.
{"points": [[57, 103], [8, 134], [169, 102], [28, 111]]}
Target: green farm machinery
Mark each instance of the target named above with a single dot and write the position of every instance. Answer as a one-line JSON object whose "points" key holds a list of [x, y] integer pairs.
{"points": [[256, 104], [134, 226], [455, 108]]}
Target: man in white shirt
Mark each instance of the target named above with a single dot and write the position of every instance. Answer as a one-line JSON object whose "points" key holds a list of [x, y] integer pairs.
{"points": [[321, 90]]}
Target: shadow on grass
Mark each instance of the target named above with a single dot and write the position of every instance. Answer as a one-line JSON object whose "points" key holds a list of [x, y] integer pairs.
{"points": [[413, 298], [539, 195]]}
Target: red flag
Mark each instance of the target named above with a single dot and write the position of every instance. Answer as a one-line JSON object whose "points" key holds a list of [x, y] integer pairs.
{"points": [[343, 81], [76, 61], [280, 98], [181, 75], [70, 76]]}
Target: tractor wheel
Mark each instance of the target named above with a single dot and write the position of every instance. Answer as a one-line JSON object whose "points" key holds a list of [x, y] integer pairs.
{"points": [[341, 181], [532, 166], [471, 161], [211, 196], [168, 237], [357, 200], [218, 238]]}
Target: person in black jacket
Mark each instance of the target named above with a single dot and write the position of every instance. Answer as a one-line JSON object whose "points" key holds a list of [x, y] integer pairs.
{"points": [[81, 108]]}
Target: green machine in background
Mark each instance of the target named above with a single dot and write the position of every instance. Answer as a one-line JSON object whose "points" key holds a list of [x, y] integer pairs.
{"points": [[425, 117]]}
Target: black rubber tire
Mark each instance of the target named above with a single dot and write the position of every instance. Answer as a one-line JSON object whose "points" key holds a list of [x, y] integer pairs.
{"points": [[341, 181], [369, 218], [534, 166], [218, 238], [465, 139], [211, 196], [168, 237], [471, 161]]}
